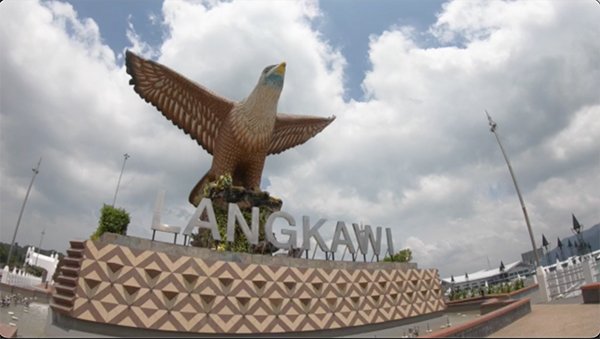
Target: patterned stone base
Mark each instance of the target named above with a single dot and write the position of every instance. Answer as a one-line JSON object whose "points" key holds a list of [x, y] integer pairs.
{"points": [[133, 282]]}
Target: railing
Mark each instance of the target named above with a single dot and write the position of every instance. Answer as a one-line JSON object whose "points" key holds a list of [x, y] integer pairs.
{"points": [[19, 278], [596, 271], [564, 279]]}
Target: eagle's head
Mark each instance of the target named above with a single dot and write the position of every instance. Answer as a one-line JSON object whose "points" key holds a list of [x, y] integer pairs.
{"points": [[273, 75]]}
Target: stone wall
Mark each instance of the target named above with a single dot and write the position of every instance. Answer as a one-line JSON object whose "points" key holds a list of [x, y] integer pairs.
{"points": [[134, 282], [488, 323]]}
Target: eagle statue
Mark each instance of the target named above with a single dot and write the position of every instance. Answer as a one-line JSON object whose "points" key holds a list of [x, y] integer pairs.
{"points": [[239, 135]]}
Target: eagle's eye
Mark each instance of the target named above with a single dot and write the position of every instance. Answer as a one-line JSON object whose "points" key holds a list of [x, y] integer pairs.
{"points": [[268, 68]]}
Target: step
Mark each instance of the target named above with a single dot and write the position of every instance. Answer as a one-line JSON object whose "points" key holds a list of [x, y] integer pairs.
{"points": [[72, 262], [77, 244], [67, 280], [65, 289], [69, 271], [75, 252], [60, 308], [63, 300]]}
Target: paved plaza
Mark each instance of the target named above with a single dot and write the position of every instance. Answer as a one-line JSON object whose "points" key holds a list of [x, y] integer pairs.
{"points": [[564, 318]]}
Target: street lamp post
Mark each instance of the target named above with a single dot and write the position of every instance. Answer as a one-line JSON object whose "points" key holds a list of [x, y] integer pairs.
{"points": [[35, 170], [493, 126], [40, 247], [125, 157]]}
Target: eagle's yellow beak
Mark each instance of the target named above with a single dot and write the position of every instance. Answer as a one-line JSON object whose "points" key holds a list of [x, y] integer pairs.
{"points": [[280, 69]]}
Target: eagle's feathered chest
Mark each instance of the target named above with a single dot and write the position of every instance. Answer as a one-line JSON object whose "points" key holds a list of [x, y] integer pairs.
{"points": [[253, 119]]}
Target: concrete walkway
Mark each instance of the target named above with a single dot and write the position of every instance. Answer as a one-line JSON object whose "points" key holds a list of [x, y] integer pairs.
{"points": [[566, 318]]}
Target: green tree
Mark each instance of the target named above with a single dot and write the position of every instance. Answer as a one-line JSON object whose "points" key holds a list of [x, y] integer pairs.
{"points": [[18, 255], [113, 220], [404, 255], [34, 270]]}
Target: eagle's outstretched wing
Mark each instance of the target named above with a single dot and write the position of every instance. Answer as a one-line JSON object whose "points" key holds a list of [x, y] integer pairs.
{"points": [[292, 130], [189, 106]]}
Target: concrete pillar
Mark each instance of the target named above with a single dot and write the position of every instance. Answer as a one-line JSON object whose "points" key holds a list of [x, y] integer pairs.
{"points": [[587, 272], [5, 273], [560, 278], [542, 284]]}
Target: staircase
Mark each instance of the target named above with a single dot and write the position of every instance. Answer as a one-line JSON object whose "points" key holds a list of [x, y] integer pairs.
{"points": [[66, 284]]}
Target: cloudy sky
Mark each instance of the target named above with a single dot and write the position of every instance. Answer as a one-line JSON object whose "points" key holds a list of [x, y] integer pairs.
{"points": [[408, 81]]}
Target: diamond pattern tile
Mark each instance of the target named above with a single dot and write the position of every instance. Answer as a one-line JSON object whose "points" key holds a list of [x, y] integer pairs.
{"points": [[154, 290]]}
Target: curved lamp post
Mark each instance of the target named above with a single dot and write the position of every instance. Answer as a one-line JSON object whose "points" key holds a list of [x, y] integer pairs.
{"points": [[35, 170], [125, 157], [493, 126]]}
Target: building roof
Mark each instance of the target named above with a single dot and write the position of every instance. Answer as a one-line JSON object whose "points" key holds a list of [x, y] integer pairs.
{"points": [[482, 274]]}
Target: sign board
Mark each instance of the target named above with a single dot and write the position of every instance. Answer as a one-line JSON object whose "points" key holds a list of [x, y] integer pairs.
{"points": [[364, 236]]}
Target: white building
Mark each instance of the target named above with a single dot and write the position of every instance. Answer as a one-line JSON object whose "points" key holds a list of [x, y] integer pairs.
{"points": [[48, 263], [489, 277]]}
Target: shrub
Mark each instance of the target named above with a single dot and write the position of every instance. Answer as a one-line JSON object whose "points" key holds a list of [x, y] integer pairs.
{"points": [[112, 220], [404, 255], [518, 284]]}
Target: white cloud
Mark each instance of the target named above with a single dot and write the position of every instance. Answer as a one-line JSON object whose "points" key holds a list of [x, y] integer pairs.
{"points": [[576, 140], [139, 46], [67, 101], [416, 156], [514, 63], [237, 40]]}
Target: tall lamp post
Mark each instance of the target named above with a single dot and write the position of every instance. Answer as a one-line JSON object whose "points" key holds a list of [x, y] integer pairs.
{"points": [[40, 247], [35, 170], [493, 126], [125, 157]]}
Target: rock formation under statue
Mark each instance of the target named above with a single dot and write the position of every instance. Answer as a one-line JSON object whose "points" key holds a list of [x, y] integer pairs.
{"points": [[239, 135], [222, 193]]}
